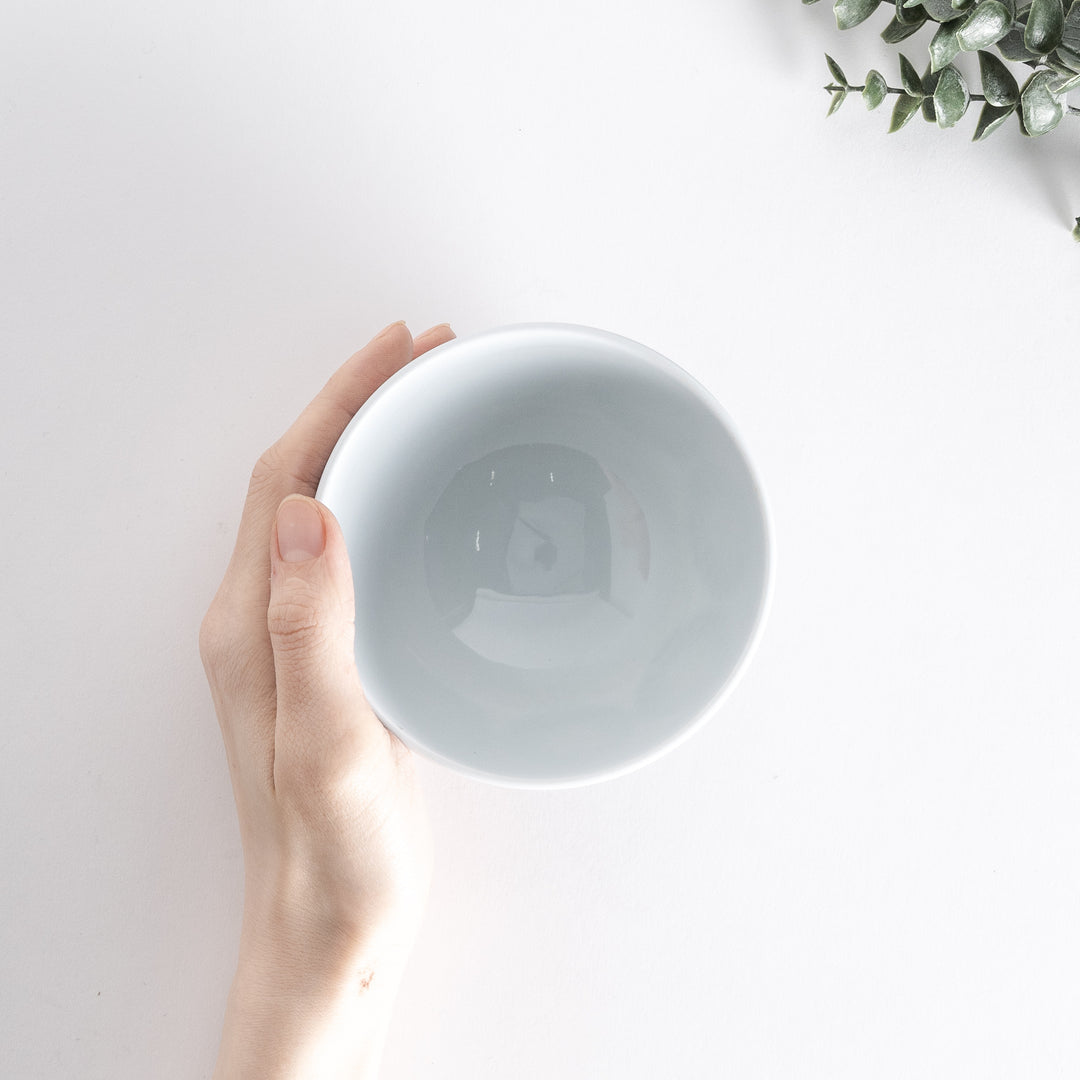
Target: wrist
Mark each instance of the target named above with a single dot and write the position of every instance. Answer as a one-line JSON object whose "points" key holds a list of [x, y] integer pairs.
{"points": [[311, 998], [305, 920], [299, 952]]}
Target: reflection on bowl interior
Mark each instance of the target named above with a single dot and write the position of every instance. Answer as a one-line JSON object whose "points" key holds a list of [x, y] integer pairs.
{"points": [[537, 557]]}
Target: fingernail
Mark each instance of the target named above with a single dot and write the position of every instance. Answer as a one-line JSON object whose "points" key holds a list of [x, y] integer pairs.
{"points": [[440, 326], [300, 533], [383, 333]]}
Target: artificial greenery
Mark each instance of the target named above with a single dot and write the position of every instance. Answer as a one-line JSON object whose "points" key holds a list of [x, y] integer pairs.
{"points": [[1041, 36]]}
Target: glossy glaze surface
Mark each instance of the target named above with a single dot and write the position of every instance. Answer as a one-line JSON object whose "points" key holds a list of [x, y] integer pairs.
{"points": [[560, 553]]}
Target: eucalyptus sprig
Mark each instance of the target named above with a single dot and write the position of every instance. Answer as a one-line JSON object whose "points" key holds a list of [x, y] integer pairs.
{"points": [[1042, 37]]}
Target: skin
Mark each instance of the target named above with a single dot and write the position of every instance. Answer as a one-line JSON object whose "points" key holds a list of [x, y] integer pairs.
{"points": [[337, 848]]}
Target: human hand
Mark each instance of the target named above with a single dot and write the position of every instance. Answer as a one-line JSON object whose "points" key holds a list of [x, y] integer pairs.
{"points": [[337, 852]]}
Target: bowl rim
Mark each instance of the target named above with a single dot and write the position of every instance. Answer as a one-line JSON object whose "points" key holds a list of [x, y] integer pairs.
{"points": [[662, 363]]}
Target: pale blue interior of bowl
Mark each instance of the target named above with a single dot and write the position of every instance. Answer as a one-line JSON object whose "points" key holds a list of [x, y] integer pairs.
{"points": [[560, 553]]}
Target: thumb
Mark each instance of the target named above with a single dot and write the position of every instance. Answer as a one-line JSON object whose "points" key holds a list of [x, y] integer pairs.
{"points": [[311, 615]]}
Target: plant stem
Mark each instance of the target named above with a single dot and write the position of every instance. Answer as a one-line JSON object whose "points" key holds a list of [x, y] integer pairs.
{"points": [[832, 88]]}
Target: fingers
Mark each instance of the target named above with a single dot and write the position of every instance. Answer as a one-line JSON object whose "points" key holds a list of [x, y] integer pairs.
{"points": [[303, 450], [293, 464], [301, 453], [437, 335]]}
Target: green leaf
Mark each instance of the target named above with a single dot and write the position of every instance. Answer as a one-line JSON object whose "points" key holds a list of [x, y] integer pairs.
{"points": [[1041, 109], [990, 119], [809, 1], [1076, 230], [961, 5], [1070, 33], [985, 24], [850, 13], [1067, 58], [876, 89], [905, 108], [898, 30], [1045, 25], [836, 70], [910, 78], [998, 84], [940, 10], [1067, 84], [943, 46], [951, 98], [929, 82], [1012, 46], [836, 102]]}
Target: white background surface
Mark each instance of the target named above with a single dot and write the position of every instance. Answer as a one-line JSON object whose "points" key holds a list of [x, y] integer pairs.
{"points": [[868, 865]]}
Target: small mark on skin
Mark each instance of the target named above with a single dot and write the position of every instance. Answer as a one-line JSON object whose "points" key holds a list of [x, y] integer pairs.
{"points": [[365, 978]]}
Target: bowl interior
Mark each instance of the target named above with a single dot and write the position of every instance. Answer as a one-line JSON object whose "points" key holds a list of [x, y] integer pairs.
{"points": [[559, 550]]}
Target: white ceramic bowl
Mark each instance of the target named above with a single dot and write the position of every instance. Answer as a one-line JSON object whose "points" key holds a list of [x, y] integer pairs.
{"points": [[560, 551]]}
